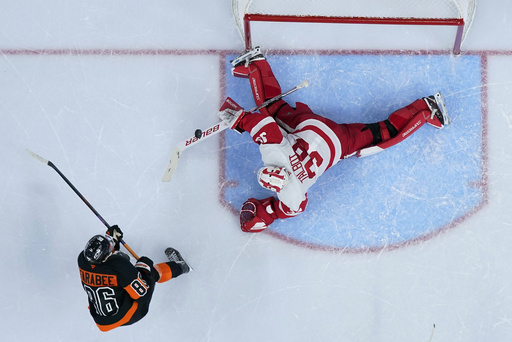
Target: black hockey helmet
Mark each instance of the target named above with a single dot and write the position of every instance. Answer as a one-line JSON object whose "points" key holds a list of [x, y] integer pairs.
{"points": [[99, 248]]}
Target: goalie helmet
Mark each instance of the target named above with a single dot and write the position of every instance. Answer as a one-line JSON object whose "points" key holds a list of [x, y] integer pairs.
{"points": [[99, 248], [273, 178]]}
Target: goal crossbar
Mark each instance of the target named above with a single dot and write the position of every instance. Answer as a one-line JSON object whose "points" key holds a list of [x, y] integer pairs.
{"points": [[458, 22]]}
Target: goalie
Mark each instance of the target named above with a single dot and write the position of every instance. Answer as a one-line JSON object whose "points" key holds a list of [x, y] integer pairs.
{"points": [[297, 146]]}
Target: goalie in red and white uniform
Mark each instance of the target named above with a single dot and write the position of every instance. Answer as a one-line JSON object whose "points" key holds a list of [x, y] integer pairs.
{"points": [[297, 146]]}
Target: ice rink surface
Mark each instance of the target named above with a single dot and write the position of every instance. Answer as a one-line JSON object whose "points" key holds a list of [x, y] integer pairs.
{"points": [[105, 90]]}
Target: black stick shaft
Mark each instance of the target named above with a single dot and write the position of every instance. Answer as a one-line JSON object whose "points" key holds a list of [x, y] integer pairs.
{"points": [[50, 164]]}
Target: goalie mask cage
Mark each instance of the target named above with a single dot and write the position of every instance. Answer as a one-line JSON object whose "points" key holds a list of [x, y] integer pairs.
{"points": [[458, 13]]}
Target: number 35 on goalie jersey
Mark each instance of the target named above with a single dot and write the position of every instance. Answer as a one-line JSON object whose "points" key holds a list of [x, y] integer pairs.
{"points": [[306, 152]]}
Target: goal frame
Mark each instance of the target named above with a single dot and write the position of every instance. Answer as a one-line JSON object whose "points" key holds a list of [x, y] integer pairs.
{"points": [[457, 22]]}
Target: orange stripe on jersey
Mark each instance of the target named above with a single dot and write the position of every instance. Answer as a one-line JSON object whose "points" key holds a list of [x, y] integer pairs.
{"points": [[137, 288], [97, 279], [164, 271], [122, 321]]}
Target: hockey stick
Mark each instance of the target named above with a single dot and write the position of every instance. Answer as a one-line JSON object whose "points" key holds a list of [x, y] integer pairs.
{"points": [[213, 130], [50, 164], [432, 334]]}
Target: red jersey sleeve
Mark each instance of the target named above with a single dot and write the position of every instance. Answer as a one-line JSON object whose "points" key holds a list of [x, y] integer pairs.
{"points": [[262, 128]]}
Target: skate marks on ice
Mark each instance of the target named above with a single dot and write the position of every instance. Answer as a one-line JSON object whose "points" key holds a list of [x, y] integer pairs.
{"points": [[430, 182]]}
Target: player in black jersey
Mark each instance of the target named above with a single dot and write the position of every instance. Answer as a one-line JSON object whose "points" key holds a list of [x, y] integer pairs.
{"points": [[119, 292]]}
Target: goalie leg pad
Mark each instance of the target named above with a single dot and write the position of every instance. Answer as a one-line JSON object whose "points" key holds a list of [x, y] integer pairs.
{"points": [[241, 71], [400, 117], [263, 83], [381, 131]]}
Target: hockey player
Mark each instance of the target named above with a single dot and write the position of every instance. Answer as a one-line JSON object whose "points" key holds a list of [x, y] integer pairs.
{"points": [[298, 146], [119, 292]]}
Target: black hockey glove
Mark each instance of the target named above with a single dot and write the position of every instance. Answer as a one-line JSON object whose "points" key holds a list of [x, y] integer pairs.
{"points": [[145, 266], [117, 235]]}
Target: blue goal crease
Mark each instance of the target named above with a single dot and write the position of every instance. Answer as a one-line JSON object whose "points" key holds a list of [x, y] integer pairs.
{"points": [[412, 189]]}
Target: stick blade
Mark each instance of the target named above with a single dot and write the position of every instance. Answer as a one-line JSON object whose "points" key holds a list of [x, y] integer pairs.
{"points": [[173, 163], [37, 156]]}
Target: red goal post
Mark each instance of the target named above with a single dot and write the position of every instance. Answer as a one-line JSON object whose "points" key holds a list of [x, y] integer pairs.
{"points": [[458, 13]]}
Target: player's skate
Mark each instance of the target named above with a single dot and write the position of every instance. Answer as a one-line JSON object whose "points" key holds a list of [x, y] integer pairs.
{"points": [[247, 57], [175, 256], [439, 115]]}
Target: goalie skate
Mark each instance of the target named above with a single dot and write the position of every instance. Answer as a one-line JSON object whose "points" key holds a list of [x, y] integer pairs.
{"points": [[247, 57], [439, 114], [175, 256]]}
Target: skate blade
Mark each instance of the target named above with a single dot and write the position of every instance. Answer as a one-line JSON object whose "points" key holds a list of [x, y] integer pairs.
{"points": [[442, 107], [245, 56]]}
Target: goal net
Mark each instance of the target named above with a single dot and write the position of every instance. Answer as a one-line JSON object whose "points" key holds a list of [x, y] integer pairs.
{"points": [[456, 13]]}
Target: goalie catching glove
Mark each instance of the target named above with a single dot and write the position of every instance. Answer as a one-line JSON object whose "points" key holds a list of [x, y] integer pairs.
{"points": [[231, 113], [257, 215]]}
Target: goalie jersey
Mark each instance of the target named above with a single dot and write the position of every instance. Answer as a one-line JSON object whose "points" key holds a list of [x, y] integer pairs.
{"points": [[304, 143]]}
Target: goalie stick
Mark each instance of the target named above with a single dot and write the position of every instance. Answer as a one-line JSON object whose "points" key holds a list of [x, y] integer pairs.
{"points": [[50, 164], [213, 130]]}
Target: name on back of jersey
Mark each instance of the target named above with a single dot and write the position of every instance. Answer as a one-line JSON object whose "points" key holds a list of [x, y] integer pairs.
{"points": [[95, 279]]}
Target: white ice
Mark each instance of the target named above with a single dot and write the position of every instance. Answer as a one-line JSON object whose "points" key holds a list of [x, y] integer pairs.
{"points": [[105, 89]]}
